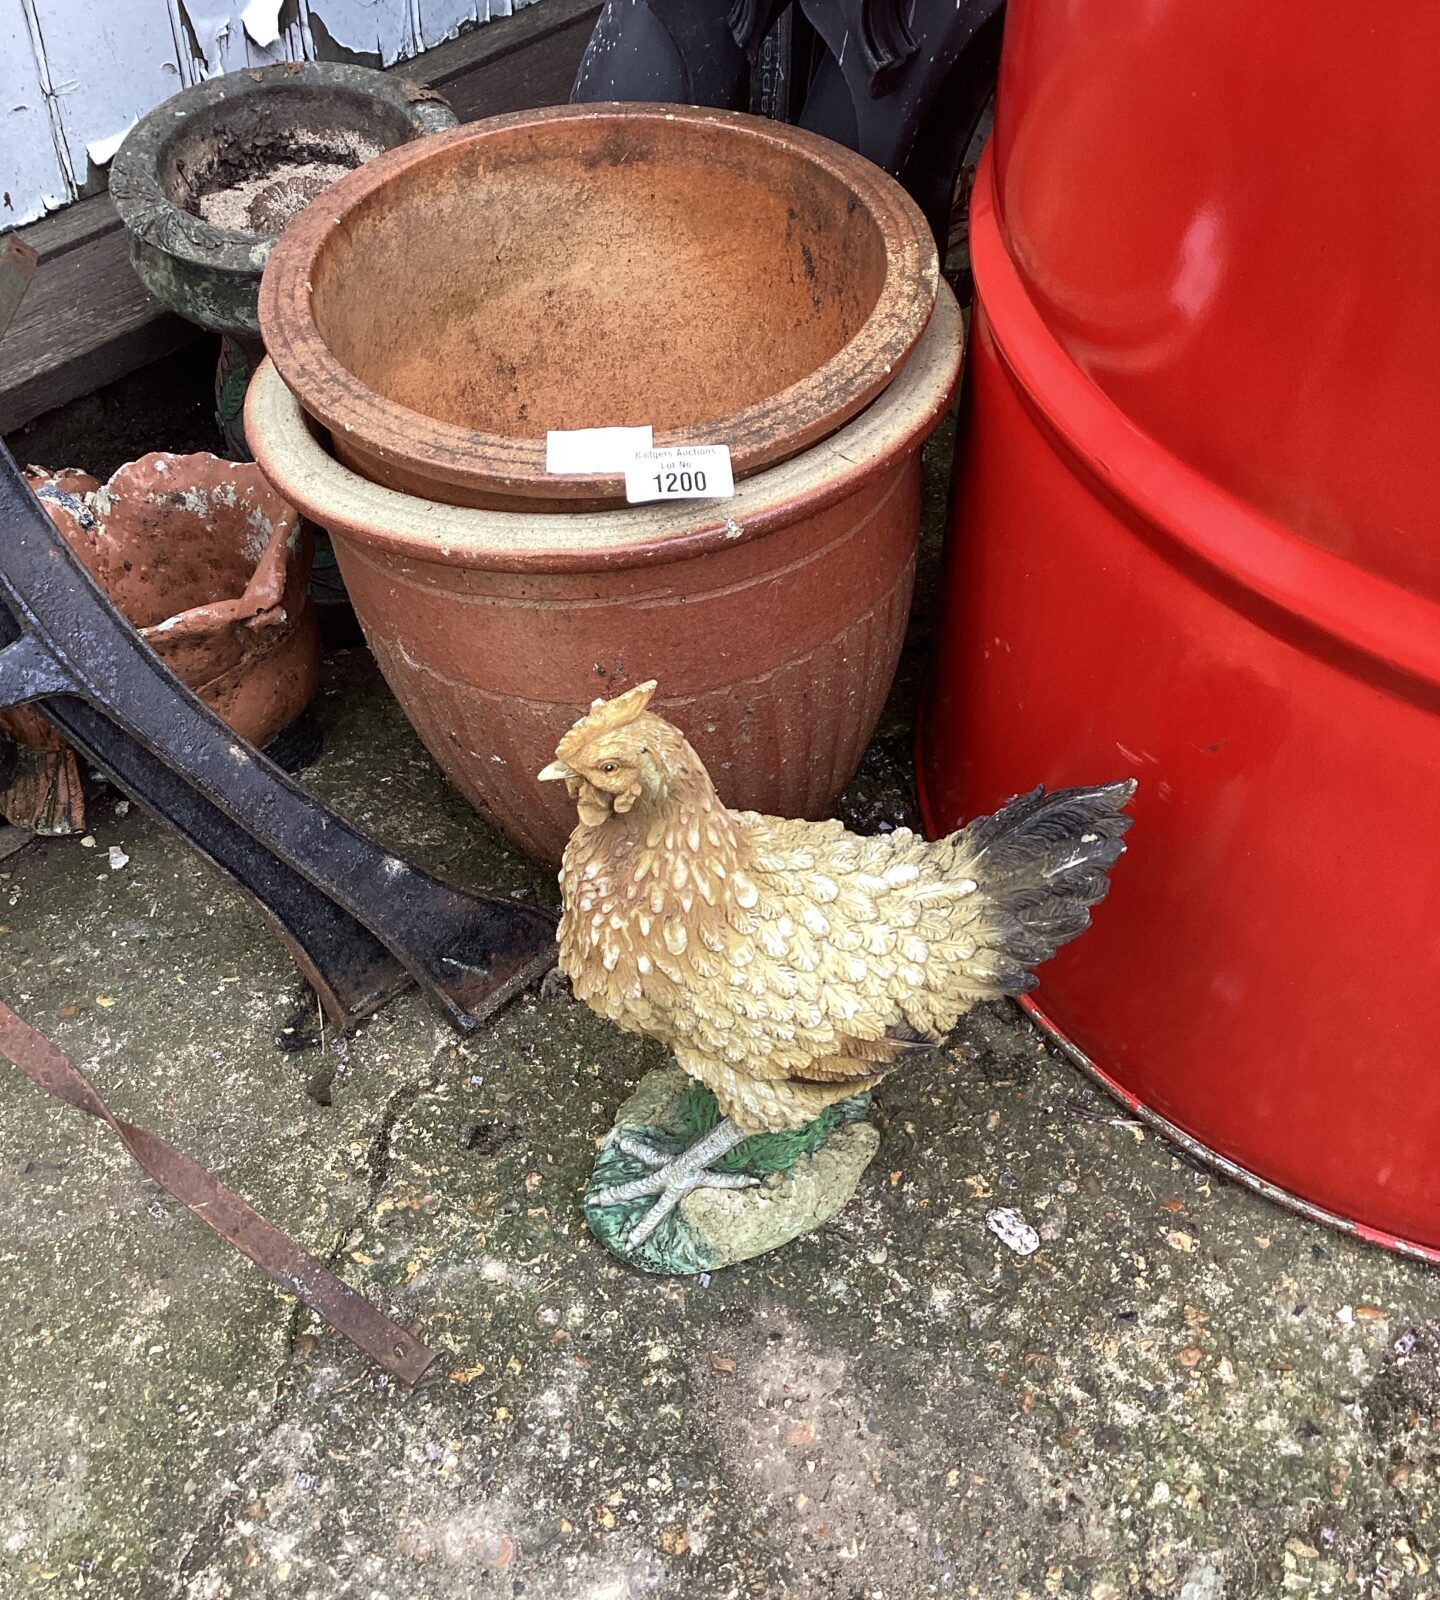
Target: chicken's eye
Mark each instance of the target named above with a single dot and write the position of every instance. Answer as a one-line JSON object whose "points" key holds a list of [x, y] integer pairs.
{"points": [[608, 767]]}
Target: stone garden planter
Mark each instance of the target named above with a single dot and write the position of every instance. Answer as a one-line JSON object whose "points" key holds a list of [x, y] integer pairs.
{"points": [[207, 182], [773, 620], [722, 278], [210, 566]]}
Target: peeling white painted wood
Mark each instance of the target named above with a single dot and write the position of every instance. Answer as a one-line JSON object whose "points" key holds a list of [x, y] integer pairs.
{"points": [[443, 19], [32, 178], [107, 64], [230, 44], [398, 29], [76, 74], [261, 20], [384, 28], [101, 152], [213, 38]]}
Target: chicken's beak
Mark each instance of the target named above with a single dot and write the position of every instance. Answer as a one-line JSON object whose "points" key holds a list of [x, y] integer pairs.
{"points": [[555, 771]]}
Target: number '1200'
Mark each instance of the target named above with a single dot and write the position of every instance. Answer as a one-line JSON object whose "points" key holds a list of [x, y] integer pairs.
{"points": [[683, 481]]}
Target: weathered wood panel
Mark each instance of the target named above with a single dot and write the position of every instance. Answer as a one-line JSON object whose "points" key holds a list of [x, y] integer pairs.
{"points": [[530, 61], [440, 20], [107, 65], [32, 175], [85, 321]]}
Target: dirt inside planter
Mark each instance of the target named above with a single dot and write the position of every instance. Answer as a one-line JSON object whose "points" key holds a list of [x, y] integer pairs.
{"points": [[259, 183]]}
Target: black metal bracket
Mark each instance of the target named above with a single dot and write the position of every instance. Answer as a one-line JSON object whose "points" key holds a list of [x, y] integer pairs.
{"points": [[361, 922]]}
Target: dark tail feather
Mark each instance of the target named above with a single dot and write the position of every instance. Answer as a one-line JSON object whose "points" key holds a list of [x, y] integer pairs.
{"points": [[1041, 862]]}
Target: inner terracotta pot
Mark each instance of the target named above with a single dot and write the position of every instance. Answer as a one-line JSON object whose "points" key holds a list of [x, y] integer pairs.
{"points": [[721, 278]]}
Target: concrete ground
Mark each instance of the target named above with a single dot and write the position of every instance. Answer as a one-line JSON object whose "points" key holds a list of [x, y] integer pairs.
{"points": [[1183, 1392]]}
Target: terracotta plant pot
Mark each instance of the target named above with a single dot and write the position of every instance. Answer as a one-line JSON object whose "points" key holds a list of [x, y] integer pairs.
{"points": [[210, 565], [773, 620], [723, 278]]}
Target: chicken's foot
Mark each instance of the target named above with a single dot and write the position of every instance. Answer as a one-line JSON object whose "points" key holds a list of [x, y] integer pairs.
{"points": [[675, 1176]]}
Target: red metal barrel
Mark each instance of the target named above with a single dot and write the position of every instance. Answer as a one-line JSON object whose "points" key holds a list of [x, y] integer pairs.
{"points": [[1195, 540]]}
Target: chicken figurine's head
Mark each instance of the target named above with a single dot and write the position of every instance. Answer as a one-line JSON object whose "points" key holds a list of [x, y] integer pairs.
{"points": [[618, 755]]}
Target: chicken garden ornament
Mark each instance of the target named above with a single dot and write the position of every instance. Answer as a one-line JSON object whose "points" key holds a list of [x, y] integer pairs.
{"points": [[789, 966]]}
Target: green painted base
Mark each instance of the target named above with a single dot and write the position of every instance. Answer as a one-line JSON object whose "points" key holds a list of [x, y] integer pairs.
{"points": [[233, 371], [806, 1176]]}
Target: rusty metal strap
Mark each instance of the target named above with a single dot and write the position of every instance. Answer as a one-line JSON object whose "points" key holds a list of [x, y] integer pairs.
{"points": [[350, 1314]]}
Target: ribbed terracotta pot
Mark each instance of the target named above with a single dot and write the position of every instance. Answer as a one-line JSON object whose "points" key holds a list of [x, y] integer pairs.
{"points": [[722, 278], [772, 620]]}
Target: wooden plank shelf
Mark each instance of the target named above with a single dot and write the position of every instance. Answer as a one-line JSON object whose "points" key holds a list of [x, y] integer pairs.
{"points": [[86, 320]]}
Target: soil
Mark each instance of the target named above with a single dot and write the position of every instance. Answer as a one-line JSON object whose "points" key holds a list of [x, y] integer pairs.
{"points": [[169, 405], [270, 201], [262, 186]]}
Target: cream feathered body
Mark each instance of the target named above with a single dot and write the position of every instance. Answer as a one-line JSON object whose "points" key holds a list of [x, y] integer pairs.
{"points": [[790, 964]]}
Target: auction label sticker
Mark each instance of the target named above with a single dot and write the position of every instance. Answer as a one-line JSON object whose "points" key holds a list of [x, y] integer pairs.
{"points": [[681, 472], [595, 450]]}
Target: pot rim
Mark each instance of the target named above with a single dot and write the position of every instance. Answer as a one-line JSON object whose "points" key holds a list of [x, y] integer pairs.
{"points": [[265, 587], [470, 458], [301, 470], [148, 214]]}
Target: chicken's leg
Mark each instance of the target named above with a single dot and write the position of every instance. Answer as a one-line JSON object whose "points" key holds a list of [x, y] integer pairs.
{"points": [[675, 1176]]}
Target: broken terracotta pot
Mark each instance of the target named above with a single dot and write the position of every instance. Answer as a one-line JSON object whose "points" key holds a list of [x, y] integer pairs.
{"points": [[211, 566], [773, 620], [724, 279]]}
